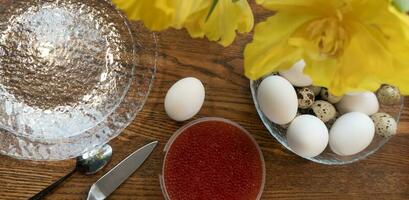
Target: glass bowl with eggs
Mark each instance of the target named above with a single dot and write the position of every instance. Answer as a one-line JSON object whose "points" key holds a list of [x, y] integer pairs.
{"points": [[318, 126]]}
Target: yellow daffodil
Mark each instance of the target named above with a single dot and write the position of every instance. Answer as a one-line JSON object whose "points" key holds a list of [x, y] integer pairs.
{"points": [[348, 45], [227, 17]]}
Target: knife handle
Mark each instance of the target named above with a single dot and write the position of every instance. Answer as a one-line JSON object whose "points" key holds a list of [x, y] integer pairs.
{"points": [[51, 187]]}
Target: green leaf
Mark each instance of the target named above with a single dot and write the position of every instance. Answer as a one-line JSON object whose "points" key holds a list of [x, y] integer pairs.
{"points": [[214, 3], [402, 5]]}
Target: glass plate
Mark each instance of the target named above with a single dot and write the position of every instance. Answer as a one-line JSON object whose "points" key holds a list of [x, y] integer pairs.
{"points": [[327, 157], [72, 76]]}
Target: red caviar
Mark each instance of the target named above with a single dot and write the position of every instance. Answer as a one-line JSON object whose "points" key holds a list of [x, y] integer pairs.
{"points": [[213, 160]]}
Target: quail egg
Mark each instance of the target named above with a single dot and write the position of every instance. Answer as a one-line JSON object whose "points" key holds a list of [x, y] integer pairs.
{"points": [[305, 98], [332, 121], [385, 125], [327, 96], [315, 89], [388, 95], [324, 110]]}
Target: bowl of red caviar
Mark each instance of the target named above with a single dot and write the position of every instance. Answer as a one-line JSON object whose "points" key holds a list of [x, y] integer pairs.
{"points": [[212, 158]]}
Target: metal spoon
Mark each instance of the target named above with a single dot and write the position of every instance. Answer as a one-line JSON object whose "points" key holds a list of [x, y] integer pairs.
{"points": [[89, 163]]}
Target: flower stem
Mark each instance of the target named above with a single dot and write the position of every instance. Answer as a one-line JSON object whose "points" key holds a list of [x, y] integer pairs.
{"points": [[402, 5]]}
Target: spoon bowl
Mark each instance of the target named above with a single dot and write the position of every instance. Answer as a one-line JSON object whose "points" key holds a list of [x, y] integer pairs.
{"points": [[89, 163], [93, 161]]}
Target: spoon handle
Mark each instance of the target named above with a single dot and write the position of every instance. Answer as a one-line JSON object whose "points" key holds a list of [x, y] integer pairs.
{"points": [[51, 187]]}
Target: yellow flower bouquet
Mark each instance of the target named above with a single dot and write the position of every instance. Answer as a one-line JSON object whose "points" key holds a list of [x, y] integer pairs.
{"points": [[347, 45], [217, 20]]}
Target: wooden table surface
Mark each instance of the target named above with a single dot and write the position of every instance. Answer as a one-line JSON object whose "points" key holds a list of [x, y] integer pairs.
{"points": [[384, 175]]}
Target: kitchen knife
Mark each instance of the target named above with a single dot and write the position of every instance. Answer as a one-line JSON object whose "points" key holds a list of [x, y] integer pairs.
{"points": [[116, 176]]}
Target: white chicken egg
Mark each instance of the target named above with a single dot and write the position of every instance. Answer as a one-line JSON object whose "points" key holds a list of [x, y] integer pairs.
{"points": [[184, 99], [277, 99], [365, 102], [296, 75], [307, 136], [351, 133]]}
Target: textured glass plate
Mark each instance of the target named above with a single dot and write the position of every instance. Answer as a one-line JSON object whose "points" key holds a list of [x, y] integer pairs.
{"points": [[327, 157], [72, 76]]}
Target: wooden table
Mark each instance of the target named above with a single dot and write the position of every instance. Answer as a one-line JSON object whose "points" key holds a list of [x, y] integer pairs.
{"points": [[384, 175]]}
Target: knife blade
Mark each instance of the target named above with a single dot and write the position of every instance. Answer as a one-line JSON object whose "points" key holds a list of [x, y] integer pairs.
{"points": [[117, 175]]}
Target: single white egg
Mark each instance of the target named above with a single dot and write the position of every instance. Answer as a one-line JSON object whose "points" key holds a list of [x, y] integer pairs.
{"points": [[307, 136], [184, 99], [277, 99], [351, 133], [296, 75], [364, 102]]}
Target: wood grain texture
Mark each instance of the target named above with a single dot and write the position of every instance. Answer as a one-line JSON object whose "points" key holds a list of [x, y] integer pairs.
{"points": [[384, 175]]}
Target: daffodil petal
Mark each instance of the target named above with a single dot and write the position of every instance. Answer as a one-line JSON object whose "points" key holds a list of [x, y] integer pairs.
{"points": [[226, 18], [269, 51], [195, 22], [352, 45], [155, 19], [368, 9], [360, 68], [298, 5], [161, 14]]}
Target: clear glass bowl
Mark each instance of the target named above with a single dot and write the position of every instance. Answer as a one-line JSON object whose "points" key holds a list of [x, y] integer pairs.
{"points": [[72, 76], [327, 157], [198, 121]]}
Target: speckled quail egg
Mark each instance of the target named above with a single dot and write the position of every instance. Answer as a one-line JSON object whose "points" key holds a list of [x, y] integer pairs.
{"points": [[385, 125], [388, 95], [332, 121], [305, 98], [315, 89], [324, 110], [327, 96]]}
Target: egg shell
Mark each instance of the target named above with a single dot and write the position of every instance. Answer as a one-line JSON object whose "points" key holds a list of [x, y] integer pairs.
{"points": [[296, 75], [332, 121], [324, 110], [315, 89], [277, 99], [388, 95], [184, 99], [305, 97], [307, 136], [351, 133], [365, 102], [385, 125], [327, 96], [285, 126]]}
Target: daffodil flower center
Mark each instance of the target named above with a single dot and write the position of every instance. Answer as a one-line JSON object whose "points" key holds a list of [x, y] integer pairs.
{"points": [[328, 35]]}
